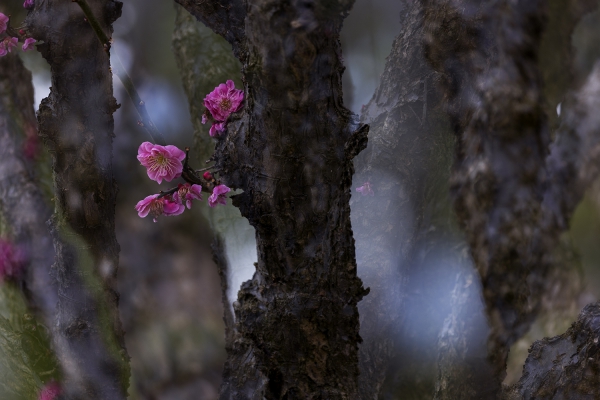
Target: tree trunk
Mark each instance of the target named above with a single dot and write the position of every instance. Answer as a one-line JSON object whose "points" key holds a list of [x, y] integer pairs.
{"points": [[76, 124], [291, 153]]}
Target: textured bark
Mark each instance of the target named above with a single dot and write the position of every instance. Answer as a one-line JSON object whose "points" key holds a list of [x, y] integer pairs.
{"points": [[76, 124], [488, 56], [406, 162], [565, 366], [291, 153], [513, 200]]}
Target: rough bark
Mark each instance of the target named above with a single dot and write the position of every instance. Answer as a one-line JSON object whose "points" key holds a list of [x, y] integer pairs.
{"points": [[76, 124], [487, 54], [565, 366], [291, 153], [513, 200], [406, 162]]}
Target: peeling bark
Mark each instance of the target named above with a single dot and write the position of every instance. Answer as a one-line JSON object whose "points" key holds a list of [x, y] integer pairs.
{"points": [[76, 124]]}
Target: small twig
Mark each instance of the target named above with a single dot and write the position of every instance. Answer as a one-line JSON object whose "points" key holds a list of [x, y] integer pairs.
{"points": [[168, 192], [140, 106], [85, 7], [188, 174], [204, 169]]}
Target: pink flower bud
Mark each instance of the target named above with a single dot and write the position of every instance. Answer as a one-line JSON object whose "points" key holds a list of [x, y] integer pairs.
{"points": [[28, 4], [216, 129], [207, 175]]}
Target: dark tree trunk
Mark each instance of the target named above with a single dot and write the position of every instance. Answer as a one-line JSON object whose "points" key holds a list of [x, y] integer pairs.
{"points": [[76, 124], [512, 199], [487, 54], [291, 153]]}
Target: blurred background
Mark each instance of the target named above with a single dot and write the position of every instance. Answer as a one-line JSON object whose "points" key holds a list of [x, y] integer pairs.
{"points": [[170, 291]]}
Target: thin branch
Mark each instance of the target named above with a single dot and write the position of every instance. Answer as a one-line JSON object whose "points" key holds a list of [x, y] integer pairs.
{"points": [[145, 120]]}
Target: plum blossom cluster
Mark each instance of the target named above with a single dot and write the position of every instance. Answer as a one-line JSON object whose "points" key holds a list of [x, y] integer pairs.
{"points": [[9, 38], [12, 259], [168, 163], [220, 104]]}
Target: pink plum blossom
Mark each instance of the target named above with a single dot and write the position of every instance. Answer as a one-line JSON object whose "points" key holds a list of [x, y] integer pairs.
{"points": [[12, 259], [28, 45], [186, 193], [218, 195], [156, 207], [28, 3], [3, 23], [162, 162], [224, 100], [216, 129], [7, 44], [50, 391], [11, 42], [365, 189]]}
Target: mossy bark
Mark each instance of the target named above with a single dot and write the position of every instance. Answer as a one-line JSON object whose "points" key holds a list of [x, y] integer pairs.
{"points": [[76, 124]]}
